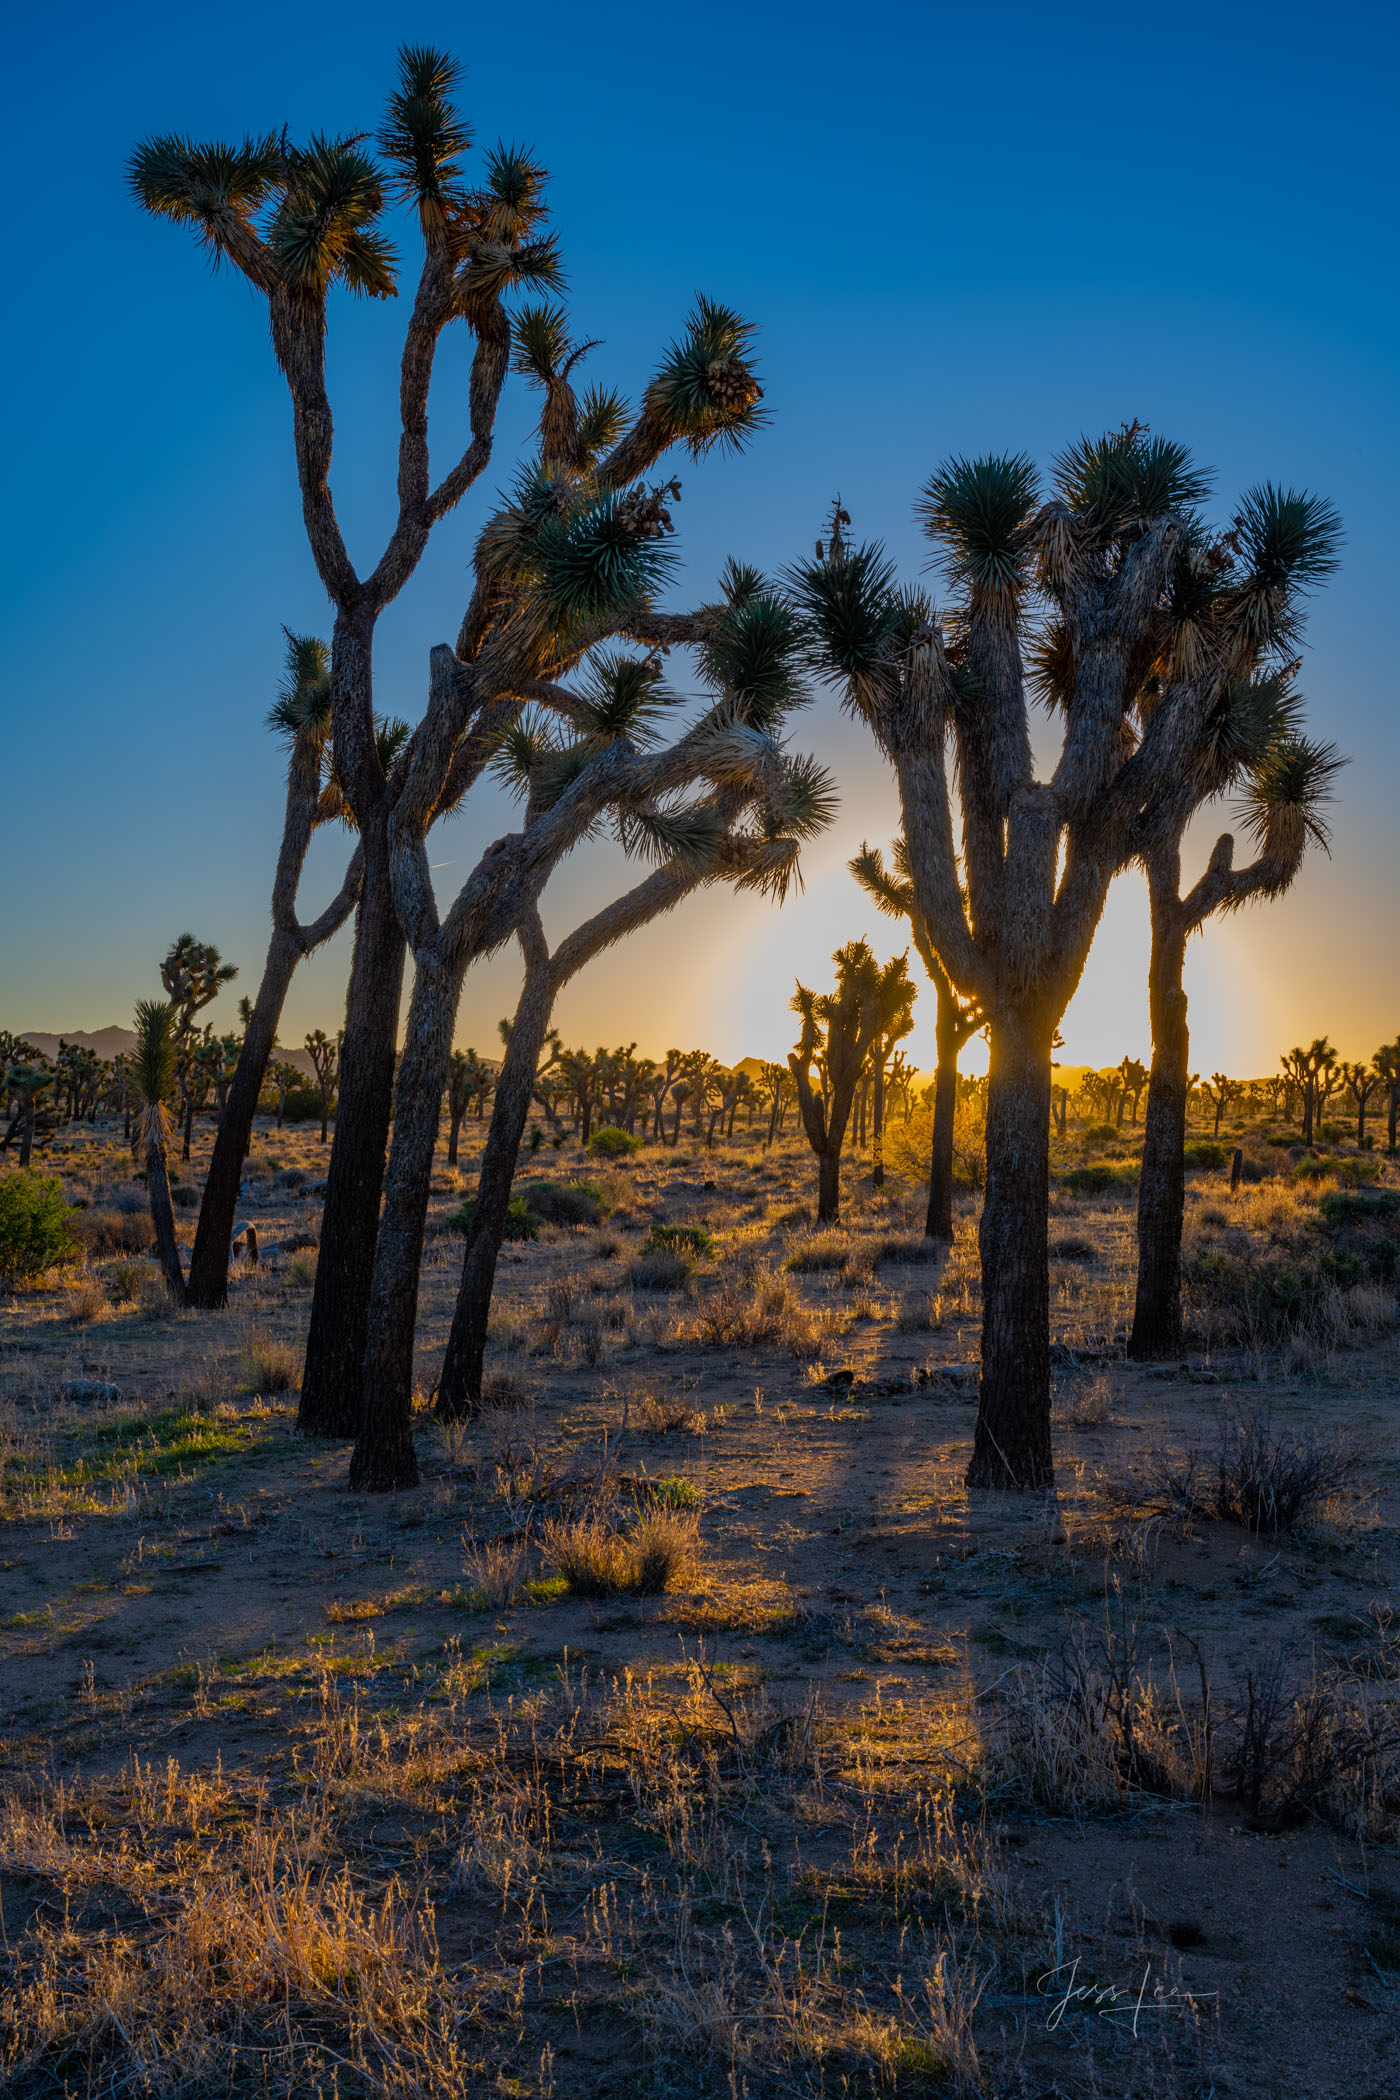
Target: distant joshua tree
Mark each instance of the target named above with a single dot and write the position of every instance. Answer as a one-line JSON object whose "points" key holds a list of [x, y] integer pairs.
{"points": [[1361, 1082], [1133, 1075], [1313, 1071], [193, 974], [1222, 1091], [463, 1070], [842, 1027], [1387, 1063], [325, 1060], [153, 1071]]}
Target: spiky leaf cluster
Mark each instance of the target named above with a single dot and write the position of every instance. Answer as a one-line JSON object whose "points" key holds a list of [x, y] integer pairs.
{"points": [[706, 392], [752, 653], [980, 515], [152, 1063], [423, 138]]}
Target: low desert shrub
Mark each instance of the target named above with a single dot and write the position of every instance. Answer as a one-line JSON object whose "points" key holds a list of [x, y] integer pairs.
{"points": [[691, 1240], [1099, 1179], [36, 1231], [608, 1142], [1266, 1479], [1352, 1171], [566, 1202], [1205, 1155], [303, 1105], [113, 1231], [87, 1301], [521, 1223]]}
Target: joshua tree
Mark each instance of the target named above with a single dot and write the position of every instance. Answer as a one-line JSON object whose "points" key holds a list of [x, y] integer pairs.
{"points": [[956, 1021], [841, 1027], [1361, 1081], [1222, 1091], [741, 854], [153, 1071], [301, 716], [1387, 1063], [32, 1118], [751, 807], [566, 563], [325, 1057], [1133, 1075], [774, 1083], [193, 975], [1148, 621], [1312, 1071], [662, 1080], [463, 1069]]}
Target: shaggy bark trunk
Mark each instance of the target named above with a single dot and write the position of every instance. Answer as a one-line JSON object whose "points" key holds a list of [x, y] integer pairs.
{"points": [[209, 1262], [1156, 1330], [938, 1225], [384, 1457], [163, 1217], [332, 1378], [1394, 1117], [454, 1126], [829, 1185], [877, 1128], [1011, 1444], [189, 1126], [26, 1141], [459, 1384]]}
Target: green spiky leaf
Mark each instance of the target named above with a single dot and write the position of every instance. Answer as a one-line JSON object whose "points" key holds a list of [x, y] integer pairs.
{"points": [[979, 513]]}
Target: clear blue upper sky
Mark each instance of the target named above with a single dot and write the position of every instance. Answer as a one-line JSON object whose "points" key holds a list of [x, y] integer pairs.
{"points": [[961, 229]]}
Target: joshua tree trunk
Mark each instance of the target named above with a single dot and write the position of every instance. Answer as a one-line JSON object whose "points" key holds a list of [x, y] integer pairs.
{"points": [[383, 1456], [162, 1212], [454, 1127], [938, 1224], [459, 1384], [332, 1378], [877, 1127], [1011, 1448], [189, 1124], [1156, 1330]]}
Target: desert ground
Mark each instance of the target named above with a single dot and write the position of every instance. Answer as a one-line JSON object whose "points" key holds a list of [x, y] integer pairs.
{"points": [[691, 1731]]}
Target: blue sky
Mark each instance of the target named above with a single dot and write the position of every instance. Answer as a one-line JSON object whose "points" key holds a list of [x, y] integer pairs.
{"points": [[958, 230]]}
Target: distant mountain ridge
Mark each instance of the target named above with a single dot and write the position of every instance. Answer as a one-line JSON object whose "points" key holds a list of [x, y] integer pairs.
{"points": [[120, 1042]]}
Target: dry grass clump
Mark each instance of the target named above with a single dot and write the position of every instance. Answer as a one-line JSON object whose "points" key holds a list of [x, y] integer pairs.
{"points": [[1086, 1403], [918, 1312], [1269, 1480], [301, 1268], [152, 1295], [601, 1558], [269, 1366], [829, 1249], [86, 1301], [116, 1230], [492, 1571], [755, 1307]]}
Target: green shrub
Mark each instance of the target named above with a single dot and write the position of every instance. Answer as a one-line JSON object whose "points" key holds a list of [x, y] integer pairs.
{"points": [[566, 1202], [303, 1105], [520, 1225], [662, 1270], [679, 1239], [1097, 1180], [1356, 1171], [1206, 1153], [1100, 1134], [35, 1231], [609, 1142]]}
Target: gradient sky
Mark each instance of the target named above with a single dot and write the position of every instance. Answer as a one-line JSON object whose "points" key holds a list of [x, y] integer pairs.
{"points": [[959, 230]]}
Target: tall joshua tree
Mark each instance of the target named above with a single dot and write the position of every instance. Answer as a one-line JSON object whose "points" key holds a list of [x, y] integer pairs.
{"points": [[566, 553], [1252, 738], [152, 1070], [956, 1021], [301, 716], [839, 1029], [1147, 618], [604, 767]]}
